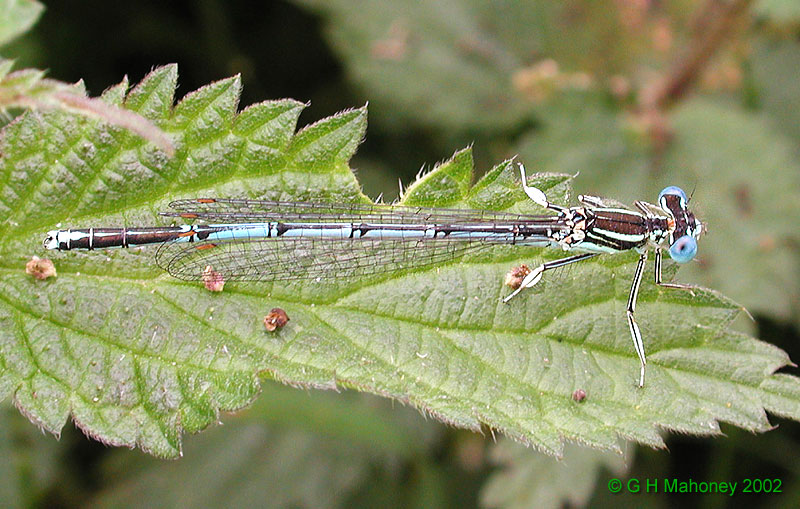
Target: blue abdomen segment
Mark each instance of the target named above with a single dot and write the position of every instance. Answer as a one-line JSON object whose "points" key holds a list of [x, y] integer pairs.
{"points": [[501, 234]]}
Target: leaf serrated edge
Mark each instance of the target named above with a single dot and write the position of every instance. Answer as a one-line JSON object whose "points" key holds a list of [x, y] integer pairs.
{"points": [[423, 178], [310, 135]]}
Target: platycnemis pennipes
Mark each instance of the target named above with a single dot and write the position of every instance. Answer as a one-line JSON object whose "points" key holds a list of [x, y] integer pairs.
{"points": [[253, 240]]}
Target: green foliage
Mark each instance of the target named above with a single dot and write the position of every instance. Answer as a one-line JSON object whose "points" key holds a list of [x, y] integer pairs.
{"points": [[31, 463], [276, 454], [388, 45], [16, 17], [779, 11], [28, 88], [777, 89], [465, 65], [136, 358], [528, 480]]}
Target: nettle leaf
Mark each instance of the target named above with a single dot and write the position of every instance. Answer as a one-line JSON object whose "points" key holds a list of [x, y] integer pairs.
{"points": [[136, 357]]}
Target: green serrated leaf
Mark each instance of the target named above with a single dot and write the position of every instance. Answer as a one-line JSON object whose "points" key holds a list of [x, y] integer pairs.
{"points": [[115, 94], [530, 479], [22, 79], [136, 358], [16, 17], [447, 184], [29, 89], [154, 95], [329, 142]]}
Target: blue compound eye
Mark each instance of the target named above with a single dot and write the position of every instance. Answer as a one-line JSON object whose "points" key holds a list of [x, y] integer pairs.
{"points": [[683, 249], [674, 190]]}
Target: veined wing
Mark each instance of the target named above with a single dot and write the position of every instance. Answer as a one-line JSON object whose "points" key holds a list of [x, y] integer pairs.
{"points": [[242, 210], [282, 259]]}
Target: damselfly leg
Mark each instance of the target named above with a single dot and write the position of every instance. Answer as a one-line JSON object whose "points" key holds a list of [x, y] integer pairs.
{"points": [[631, 308], [636, 335], [536, 274], [604, 226], [537, 195], [690, 288]]}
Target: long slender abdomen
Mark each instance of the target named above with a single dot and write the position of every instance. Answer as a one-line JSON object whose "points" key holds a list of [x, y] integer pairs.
{"points": [[100, 238]]}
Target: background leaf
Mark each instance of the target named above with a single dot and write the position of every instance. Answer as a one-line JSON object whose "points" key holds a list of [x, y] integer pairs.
{"points": [[16, 17], [780, 11], [31, 463], [471, 65], [776, 90], [254, 457], [528, 480]]}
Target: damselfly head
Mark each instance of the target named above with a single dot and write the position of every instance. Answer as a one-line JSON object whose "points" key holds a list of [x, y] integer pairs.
{"points": [[699, 227], [683, 239], [676, 192], [683, 249]]}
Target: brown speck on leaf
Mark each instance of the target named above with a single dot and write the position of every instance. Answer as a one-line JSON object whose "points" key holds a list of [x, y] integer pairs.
{"points": [[213, 280], [276, 319], [579, 395], [40, 268], [515, 276]]}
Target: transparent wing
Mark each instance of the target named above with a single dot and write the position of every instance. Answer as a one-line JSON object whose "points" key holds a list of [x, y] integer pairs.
{"points": [[597, 201], [280, 259], [233, 210]]}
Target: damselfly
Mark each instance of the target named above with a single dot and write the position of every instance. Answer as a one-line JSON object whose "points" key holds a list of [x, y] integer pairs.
{"points": [[252, 240]]}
